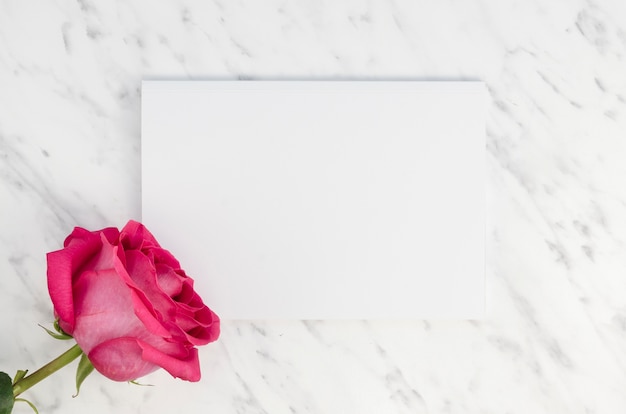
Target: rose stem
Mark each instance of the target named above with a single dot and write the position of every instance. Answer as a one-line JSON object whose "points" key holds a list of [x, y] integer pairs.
{"points": [[48, 369]]}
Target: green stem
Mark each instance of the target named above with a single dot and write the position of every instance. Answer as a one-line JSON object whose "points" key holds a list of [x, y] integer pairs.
{"points": [[48, 369]]}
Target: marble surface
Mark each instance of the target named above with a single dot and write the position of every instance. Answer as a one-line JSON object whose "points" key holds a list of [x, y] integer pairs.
{"points": [[554, 339]]}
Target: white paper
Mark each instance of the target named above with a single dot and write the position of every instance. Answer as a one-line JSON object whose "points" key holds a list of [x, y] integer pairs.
{"points": [[320, 200]]}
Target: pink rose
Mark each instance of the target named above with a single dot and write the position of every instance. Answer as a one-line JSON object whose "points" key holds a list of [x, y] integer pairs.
{"points": [[128, 304]]}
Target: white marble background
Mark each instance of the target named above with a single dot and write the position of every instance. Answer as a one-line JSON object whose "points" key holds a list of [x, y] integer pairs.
{"points": [[554, 340]]}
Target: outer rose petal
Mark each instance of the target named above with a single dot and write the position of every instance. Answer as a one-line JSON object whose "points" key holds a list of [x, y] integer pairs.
{"points": [[104, 310], [121, 359], [111, 233], [80, 247], [124, 359], [187, 368], [206, 326], [60, 288], [135, 236]]}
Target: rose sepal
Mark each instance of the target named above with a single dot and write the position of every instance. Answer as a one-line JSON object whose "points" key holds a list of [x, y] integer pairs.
{"points": [[62, 336], [84, 369]]}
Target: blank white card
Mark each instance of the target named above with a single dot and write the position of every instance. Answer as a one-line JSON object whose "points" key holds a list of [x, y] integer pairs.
{"points": [[320, 200]]}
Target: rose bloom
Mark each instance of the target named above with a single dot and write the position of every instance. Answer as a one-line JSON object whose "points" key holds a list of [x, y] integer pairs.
{"points": [[128, 304]]}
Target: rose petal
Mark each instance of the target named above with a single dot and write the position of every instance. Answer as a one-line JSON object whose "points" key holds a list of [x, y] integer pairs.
{"points": [[200, 329], [170, 282], [186, 293], [164, 256], [112, 234], [60, 287], [143, 274], [185, 322], [80, 247], [78, 233], [135, 236], [202, 336], [107, 308], [205, 316], [121, 359], [105, 258], [186, 368], [143, 307], [104, 309]]}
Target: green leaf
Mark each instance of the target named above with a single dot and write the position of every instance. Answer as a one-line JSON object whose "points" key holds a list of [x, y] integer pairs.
{"points": [[55, 335], [19, 375], [6, 394], [84, 369], [29, 403]]}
